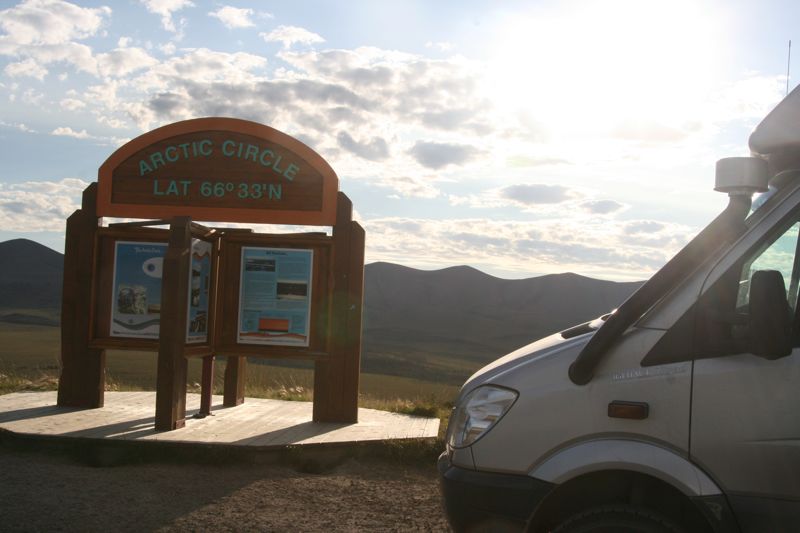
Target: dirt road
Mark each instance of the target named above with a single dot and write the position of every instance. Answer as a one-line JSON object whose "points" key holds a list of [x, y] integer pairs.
{"points": [[41, 492]]}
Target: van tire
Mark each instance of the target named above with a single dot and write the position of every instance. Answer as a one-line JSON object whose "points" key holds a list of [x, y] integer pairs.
{"points": [[617, 519]]}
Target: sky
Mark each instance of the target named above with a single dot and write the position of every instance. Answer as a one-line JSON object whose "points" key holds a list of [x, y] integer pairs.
{"points": [[520, 138]]}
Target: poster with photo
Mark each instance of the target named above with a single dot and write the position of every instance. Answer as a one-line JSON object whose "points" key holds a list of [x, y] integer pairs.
{"points": [[275, 296], [136, 294], [199, 290]]}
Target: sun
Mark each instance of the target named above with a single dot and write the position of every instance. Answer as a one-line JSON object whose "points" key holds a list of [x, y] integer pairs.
{"points": [[586, 67]]}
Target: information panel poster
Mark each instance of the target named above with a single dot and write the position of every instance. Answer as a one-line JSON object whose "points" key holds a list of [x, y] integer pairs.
{"points": [[199, 287], [136, 305], [275, 296]]}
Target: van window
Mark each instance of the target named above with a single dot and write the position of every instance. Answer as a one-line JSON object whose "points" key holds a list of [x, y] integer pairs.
{"points": [[721, 324], [717, 324], [782, 255]]}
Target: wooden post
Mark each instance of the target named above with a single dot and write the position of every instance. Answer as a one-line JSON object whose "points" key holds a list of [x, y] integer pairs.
{"points": [[235, 370], [206, 386], [336, 380], [172, 365], [83, 369]]}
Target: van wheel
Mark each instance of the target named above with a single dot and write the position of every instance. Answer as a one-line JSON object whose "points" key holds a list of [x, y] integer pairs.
{"points": [[617, 519]]}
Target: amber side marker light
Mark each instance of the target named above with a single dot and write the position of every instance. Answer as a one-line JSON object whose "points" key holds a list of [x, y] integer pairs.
{"points": [[631, 410]]}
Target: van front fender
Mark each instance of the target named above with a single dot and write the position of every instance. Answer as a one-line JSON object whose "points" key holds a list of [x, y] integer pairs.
{"points": [[620, 454]]}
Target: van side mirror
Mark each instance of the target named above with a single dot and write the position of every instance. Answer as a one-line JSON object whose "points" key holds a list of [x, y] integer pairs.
{"points": [[770, 317]]}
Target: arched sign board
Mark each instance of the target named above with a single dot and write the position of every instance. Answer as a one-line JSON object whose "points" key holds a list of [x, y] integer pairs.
{"points": [[247, 294], [218, 169]]}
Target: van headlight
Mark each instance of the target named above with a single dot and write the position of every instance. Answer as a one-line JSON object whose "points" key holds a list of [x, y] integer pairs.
{"points": [[477, 413]]}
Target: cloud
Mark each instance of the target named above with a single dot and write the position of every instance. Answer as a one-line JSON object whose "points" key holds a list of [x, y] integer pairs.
{"points": [[295, 106], [47, 22], [32, 97], [291, 35], [436, 155], [375, 150], [323, 93], [537, 194], [66, 131], [441, 46], [647, 233], [647, 227], [528, 161], [602, 207], [447, 119], [749, 98], [72, 104], [233, 17], [202, 65], [123, 61], [541, 199], [168, 48], [39, 205], [361, 77], [166, 8], [44, 31], [411, 90], [601, 248], [408, 187], [17, 126], [28, 67], [653, 131]]}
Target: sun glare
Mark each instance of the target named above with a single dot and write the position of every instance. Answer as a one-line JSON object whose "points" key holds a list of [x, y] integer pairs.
{"points": [[598, 65]]}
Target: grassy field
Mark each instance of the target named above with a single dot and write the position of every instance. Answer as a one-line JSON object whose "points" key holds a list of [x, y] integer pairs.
{"points": [[29, 360]]}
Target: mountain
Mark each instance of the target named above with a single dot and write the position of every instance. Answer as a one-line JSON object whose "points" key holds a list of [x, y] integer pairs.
{"points": [[438, 325], [452, 321], [30, 275]]}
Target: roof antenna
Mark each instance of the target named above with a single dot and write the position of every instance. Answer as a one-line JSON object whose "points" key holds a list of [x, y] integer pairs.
{"points": [[788, 65]]}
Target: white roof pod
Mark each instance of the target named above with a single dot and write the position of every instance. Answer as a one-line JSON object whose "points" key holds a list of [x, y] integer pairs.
{"points": [[777, 137], [741, 176]]}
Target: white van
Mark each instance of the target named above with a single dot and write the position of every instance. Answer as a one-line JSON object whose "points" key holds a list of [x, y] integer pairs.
{"points": [[680, 411]]}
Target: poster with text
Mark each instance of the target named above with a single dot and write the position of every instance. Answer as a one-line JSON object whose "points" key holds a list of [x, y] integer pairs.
{"points": [[199, 287], [136, 295], [275, 296]]}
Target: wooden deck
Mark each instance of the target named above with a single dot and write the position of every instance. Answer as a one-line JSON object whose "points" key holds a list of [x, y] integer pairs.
{"points": [[130, 416]]}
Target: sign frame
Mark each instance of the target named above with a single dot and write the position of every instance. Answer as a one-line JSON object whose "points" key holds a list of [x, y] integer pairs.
{"points": [[104, 282], [126, 205]]}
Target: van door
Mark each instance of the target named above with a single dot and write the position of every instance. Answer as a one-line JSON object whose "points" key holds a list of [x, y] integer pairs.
{"points": [[745, 426]]}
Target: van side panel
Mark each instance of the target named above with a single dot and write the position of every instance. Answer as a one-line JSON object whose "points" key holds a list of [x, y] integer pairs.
{"points": [[552, 413]]}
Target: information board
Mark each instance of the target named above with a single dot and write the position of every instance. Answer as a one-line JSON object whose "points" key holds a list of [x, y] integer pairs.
{"points": [[136, 292], [199, 292], [275, 296]]}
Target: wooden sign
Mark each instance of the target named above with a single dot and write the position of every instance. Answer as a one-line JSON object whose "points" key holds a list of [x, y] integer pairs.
{"points": [[218, 169], [197, 291]]}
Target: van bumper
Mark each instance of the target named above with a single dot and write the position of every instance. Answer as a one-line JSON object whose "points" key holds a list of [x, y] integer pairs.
{"points": [[473, 498]]}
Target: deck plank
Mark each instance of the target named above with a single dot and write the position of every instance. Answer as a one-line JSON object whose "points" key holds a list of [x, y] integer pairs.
{"points": [[256, 422]]}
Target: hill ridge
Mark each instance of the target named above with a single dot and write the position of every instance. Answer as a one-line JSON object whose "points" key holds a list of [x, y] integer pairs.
{"points": [[436, 324]]}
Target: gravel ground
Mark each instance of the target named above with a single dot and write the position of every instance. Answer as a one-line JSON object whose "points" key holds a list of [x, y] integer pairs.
{"points": [[42, 492]]}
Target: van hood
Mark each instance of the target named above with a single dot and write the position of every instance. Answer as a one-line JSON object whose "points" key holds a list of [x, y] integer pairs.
{"points": [[545, 348]]}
